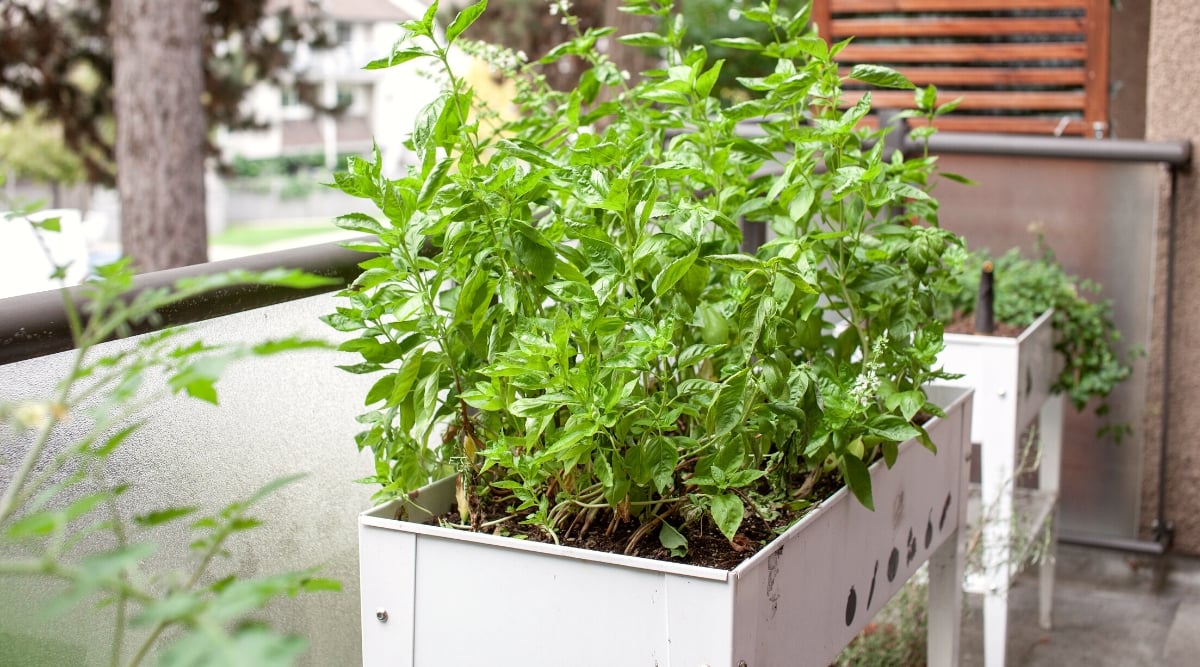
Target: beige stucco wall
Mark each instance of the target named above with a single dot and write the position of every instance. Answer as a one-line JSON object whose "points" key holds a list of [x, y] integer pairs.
{"points": [[1173, 112]]}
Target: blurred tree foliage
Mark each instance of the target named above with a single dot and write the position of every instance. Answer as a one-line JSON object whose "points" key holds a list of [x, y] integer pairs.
{"points": [[56, 59], [33, 149]]}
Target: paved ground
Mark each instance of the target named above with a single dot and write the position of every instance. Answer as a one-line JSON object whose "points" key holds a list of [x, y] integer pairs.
{"points": [[1106, 613]]}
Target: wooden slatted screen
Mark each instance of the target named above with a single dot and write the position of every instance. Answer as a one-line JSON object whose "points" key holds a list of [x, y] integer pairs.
{"points": [[1020, 66]]}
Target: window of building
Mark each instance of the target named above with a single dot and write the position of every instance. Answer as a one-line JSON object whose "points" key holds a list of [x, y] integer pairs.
{"points": [[345, 97], [289, 97]]}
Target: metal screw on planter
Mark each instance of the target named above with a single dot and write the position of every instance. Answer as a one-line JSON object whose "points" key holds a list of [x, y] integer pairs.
{"points": [[381, 615]]}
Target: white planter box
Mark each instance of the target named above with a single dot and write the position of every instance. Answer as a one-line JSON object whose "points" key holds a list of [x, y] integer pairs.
{"points": [[1012, 379], [459, 598], [1011, 376]]}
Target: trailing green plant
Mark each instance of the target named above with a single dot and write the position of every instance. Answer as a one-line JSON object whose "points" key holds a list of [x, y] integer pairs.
{"points": [[561, 314], [60, 511], [1086, 337]]}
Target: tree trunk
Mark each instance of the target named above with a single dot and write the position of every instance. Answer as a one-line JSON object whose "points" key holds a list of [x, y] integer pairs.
{"points": [[160, 148]]}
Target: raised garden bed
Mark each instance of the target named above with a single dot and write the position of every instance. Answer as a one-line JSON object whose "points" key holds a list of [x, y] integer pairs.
{"points": [[439, 596]]}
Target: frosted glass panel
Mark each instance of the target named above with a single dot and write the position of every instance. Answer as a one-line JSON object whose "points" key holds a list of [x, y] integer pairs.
{"points": [[1100, 220], [282, 415]]}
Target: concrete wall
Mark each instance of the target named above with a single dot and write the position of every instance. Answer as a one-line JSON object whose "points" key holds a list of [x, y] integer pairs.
{"points": [[242, 204], [1173, 112], [1129, 34], [278, 415]]}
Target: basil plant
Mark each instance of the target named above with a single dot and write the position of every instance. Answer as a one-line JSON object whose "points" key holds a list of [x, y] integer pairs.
{"points": [[560, 312]]}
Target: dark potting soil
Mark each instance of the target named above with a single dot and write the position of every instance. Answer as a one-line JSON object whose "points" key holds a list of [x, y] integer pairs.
{"points": [[965, 324], [707, 547]]}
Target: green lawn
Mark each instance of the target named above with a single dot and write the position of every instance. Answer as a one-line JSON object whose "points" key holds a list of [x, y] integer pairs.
{"points": [[257, 233]]}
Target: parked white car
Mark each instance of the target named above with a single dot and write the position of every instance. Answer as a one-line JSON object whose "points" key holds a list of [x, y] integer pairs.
{"points": [[27, 263]]}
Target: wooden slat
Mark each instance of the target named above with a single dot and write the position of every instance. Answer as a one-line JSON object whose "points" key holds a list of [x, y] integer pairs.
{"points": [[1096, 108], [1074, 127], [838, 19], [952, 53], [1003, 125], [1043, 125], [955, 27], [992, 76], [989, 99], [865, 6]]}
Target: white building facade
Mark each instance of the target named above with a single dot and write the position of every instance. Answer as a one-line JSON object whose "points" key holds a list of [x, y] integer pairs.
{"points": [[376, 105]]}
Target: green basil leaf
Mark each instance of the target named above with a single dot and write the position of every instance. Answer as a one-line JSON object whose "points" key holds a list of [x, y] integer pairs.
{"points": [[858, 478], [878, 75], [464, 19], [672, 540], [727, 511]]}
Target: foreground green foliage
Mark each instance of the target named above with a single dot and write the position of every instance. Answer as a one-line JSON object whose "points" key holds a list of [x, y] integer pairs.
{"points": [[561, 313], [1085, 335], [61, 514]]}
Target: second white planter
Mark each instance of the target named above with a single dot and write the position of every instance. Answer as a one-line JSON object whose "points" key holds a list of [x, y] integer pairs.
{"points": [[1012, 379], [434, 597]]}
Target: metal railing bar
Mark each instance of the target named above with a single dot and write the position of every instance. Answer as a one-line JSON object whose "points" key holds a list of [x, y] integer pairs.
{"points": [[35, 325], [1174, 153], [1114, 543]]}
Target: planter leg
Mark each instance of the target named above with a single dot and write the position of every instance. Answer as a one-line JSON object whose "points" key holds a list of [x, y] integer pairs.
{"points": [[1050, 424], [998, 454], [995, 626], [1046, 579], [945, 603]]}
